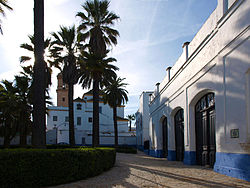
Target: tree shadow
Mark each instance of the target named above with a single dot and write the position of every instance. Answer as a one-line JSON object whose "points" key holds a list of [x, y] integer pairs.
{"points": [[227, 77], [182, 178], [230, 76]]}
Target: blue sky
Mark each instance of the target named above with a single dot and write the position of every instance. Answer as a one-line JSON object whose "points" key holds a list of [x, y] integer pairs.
{"points": [[151, 36]]}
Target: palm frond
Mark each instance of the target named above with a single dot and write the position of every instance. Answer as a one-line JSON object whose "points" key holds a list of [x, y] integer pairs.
{"points": [[24, 59], [27, 47]]}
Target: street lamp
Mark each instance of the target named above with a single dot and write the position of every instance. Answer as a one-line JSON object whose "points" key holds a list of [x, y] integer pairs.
{"points": [[56, 127]]}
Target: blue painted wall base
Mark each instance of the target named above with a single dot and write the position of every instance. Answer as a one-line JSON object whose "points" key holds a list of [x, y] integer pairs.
{"points": [[109, 145], [156, 153], [235, 165], [171, 155], [140, 147], [146, 151], [189, 158]]}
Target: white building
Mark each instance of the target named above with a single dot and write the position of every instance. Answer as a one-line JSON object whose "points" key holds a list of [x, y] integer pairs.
{"points": [[58, 126], [142, 122], [200, 112]]}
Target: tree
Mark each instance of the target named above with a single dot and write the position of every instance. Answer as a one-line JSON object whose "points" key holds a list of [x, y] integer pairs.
{"points": [[95, 70], [29, 70], [39, 125], [64, 50], [9, 112], [131, 118], [3, 4], [115, 95], [95, 26], [23, 92], [28, 75]]}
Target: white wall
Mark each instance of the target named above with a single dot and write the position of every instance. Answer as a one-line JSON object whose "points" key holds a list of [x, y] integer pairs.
{"points": [[219, 61], [86, 112], [142, 118]]}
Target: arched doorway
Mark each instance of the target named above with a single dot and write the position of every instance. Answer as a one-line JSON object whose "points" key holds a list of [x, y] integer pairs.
{"points": [[205, 130], [165, 137], [179, 134]]}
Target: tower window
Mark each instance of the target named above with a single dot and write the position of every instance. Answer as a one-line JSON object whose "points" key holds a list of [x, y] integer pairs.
{"points": [[63, 99], [78, 120], [78, 106], [90, 119], [54, 118], [67, 119]]}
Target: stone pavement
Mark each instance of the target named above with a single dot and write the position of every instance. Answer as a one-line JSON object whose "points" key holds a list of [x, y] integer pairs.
{"points": [[140, 170]]}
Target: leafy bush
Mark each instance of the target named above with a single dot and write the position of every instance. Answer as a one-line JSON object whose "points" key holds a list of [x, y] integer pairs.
{"points": [[57, 146], [44, 167], [16, 146]]}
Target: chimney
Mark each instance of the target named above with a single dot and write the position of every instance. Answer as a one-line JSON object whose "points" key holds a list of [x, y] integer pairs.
{"points": [[150, 98], [185, 49], [225, 6], [157, 89], [168, 73]]}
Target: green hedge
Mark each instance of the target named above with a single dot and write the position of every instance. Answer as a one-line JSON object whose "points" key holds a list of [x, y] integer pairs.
{"points": [[43, 167]]}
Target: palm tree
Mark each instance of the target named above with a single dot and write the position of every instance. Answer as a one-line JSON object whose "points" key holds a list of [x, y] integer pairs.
{"points": [[9, 112], [131, 118], [39, 126], [23, 92], [15, 104], [115, 95], [95, 26], [3, 3], [28, 76], [30, 69], [95, 70], [64, 49]]}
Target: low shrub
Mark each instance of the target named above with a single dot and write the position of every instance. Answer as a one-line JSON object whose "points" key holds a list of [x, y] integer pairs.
{"points": [[44, 167], [57, 146]]}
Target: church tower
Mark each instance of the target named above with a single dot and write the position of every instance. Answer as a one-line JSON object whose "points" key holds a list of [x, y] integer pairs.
{"points": [[62, 92]]}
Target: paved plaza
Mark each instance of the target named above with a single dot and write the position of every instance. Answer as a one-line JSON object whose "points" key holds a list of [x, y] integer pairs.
{"points": [[140, 170]]}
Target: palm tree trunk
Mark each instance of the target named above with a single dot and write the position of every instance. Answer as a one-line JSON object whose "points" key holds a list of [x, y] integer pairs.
{"points": [[71, 115], [39, 127], [130, 128], [23, 131], [23, 136], [95, 135], [115, 126], [6, 142]]}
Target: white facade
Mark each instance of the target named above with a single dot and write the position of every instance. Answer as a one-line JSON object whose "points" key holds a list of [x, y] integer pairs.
{"points": [[57, 120], [142, 120], [216, 62]]}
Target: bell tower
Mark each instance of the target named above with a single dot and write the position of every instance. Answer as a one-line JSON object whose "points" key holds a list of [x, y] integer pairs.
{"points": [[62, 92]]}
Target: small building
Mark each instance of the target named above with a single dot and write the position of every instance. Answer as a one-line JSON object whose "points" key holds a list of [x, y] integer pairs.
{"points": [[58, 120], [200, 112]]}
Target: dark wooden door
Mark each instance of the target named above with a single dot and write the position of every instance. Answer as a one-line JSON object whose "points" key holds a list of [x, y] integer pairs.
{"points": [[205, 130], [211, 138], [165, 138], [199, 138], [179, 135]]}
